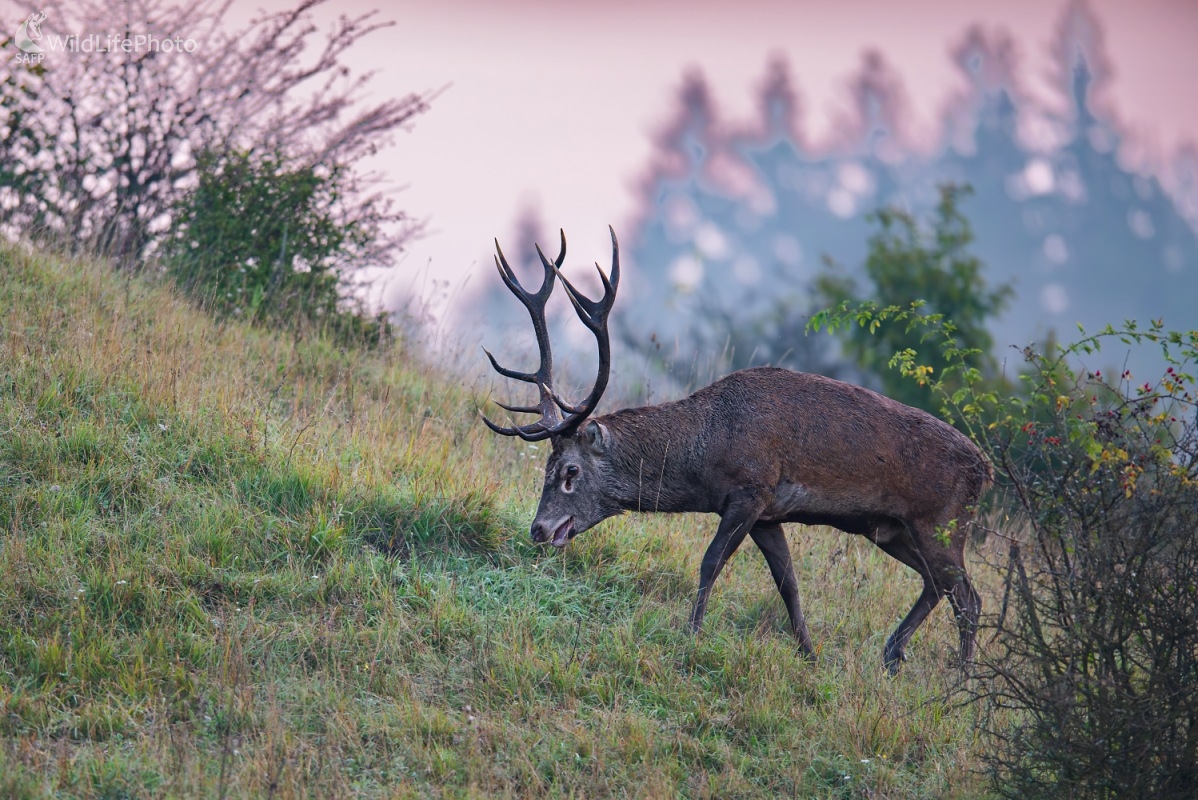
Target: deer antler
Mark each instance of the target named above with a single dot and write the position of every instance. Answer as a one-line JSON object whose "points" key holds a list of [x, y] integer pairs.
{"points": [[593, 314]]}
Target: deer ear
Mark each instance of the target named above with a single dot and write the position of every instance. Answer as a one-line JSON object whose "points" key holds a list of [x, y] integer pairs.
{"points": [[596, 436]]}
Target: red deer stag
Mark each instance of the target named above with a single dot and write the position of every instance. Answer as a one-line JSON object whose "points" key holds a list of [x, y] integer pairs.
{"points": [[760, 447]]}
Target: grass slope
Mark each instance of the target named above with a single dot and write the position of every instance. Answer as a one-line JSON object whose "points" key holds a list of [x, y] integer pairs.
{"points": [[236, 564]]}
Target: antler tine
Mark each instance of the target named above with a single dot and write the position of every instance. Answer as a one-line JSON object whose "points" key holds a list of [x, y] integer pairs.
{"points": [[534, 302], [593, 314], [518, 409], [561, 255], [529, 299], [522, 431], [527, 377]]}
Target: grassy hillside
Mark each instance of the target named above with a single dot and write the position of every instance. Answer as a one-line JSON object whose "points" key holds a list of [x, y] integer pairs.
{"points": [[236, 564]]}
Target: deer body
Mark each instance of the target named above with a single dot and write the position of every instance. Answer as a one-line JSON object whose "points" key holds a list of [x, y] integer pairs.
{"points": [[762, 447], [814, 445]]}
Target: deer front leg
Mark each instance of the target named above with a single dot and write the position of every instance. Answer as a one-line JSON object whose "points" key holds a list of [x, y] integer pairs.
{"points": [[737, 520], [772, 542]]}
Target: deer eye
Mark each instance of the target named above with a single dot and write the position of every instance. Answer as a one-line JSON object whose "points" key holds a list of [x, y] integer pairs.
{"points": [[568, 481]]}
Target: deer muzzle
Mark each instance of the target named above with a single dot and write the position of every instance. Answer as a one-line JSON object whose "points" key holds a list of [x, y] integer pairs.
{"points": [[558, 533]]}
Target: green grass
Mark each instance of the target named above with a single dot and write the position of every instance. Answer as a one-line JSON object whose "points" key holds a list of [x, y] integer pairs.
{"points": [[237, 564]]}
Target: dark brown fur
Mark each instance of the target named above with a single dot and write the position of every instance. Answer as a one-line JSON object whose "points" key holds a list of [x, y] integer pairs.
{"points": [[760, 447], [767, 446]]}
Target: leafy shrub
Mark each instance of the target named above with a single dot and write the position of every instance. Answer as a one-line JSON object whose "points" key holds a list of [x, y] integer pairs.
{"points": [[1089, 680], [262, 238], [1092, 680]]}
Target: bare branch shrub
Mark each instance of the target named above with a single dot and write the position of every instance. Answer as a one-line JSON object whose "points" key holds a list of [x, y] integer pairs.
{"points": [[98, 144], [1087, 677], [1090, 685]]}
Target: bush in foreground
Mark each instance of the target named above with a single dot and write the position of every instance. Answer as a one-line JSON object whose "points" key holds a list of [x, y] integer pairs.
{"points": [[1092, 679], [1089, 680]]}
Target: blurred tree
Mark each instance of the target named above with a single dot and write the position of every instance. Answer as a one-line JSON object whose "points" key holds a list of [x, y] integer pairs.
{"points": [[907, 263], [103, 144], [720, 277], [734, 212], [722, 338]]}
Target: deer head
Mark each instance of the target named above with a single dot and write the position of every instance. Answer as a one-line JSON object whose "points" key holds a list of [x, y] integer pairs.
{"points": [[573, 498]]}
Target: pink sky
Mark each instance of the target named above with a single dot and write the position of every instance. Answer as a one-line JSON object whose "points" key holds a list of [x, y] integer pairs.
{"points": [[555, 103]]}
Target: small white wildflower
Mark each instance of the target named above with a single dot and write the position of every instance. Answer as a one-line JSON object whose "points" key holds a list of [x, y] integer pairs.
{"points": [[315, 577], [121, 583], [865, 761], [161, 426], [81, 591]]}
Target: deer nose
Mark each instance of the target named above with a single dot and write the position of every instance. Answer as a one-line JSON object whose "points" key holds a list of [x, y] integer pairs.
{"points": [[539, 532]]}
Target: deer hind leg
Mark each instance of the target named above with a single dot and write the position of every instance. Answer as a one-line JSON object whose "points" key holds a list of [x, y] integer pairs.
{"points": [[943, 571], [740, 516], [953, 581], [772, 542], [967, 605]]}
